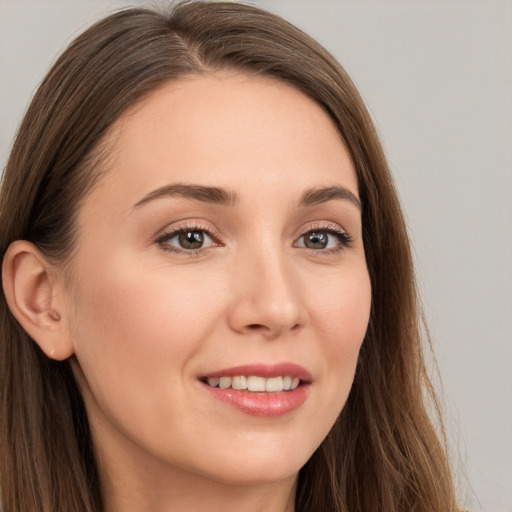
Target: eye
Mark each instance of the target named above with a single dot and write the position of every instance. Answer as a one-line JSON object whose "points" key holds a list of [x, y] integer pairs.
{"points": [[324, 239], [186, 239]]}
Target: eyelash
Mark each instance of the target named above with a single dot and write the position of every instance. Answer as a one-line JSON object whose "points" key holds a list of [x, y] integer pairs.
{"points": [[176, 230], [343, 238]]}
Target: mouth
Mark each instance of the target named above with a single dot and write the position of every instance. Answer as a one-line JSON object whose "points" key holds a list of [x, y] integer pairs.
{"points": [[260, 390], [254, 383]]}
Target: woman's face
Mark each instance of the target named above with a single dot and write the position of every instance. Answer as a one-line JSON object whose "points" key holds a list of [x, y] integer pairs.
{"points": [[222, 247]]}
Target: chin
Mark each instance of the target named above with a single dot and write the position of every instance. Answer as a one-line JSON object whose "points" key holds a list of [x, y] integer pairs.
{"points": [[261, 466], [255, 475]]}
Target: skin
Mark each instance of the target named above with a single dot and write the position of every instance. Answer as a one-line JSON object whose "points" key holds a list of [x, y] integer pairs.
{"points": [[145, 318]]}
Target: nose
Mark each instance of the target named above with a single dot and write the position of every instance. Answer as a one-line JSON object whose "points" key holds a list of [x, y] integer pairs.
{"points": [[267, 297]]}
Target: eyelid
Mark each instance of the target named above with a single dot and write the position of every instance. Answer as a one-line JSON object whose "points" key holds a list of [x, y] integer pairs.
{"points": [[320, 226], [190, 225], [200, 225], [345, 240]]}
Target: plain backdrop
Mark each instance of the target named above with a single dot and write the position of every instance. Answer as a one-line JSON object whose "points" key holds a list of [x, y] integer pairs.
{"points": [[437, 77]]}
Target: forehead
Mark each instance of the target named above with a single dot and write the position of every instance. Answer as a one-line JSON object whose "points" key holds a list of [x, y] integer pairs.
{"points": [[228, 130]]}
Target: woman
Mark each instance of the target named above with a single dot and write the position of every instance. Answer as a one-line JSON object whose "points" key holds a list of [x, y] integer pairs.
{"points": [[209, 299]]}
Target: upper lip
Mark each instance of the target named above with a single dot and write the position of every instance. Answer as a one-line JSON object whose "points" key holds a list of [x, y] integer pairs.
{"points": [[264, 370]]}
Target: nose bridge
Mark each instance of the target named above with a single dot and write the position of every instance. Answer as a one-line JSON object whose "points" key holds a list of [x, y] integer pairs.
{"points": [[267, 297]]}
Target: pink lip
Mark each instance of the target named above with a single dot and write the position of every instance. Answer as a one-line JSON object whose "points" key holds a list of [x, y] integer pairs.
{"points": [[262, 404]]}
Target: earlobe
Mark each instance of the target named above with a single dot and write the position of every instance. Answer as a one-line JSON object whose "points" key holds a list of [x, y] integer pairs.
{"points": [[31, 293]]}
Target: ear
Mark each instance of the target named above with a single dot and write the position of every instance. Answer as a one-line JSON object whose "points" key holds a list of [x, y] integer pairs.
{"points": [[36, 298]]}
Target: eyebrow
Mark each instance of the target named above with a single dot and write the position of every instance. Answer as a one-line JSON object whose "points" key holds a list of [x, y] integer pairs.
{"points": [[214, 195], [221, 196], [317, 196]]}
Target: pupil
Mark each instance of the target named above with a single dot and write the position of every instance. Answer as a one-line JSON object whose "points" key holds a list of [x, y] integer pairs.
{"points": [[191, 239], [316, 240]]}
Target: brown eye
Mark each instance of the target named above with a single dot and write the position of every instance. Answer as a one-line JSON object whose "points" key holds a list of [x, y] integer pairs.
{"points": [[186, 240], [326, 240], [191, 239], [316, 240]]}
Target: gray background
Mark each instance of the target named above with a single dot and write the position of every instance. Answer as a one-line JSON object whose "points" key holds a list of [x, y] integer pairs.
{"points": [[437, 77]]}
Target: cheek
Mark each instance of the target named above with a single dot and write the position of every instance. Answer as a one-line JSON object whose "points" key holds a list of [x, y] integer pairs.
{"points": [[341, 308], [140, 305], [135, 329], [342, 318]]}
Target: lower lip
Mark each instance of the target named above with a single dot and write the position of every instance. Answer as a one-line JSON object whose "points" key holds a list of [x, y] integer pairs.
{"points": [[269, 405]]}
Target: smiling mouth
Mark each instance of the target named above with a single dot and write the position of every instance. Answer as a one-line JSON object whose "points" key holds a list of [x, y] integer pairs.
{"points": [[253, 383], [261, 390]]}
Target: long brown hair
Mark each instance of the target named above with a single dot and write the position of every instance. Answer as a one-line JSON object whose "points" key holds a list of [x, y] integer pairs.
{"points": [[383, 453]]}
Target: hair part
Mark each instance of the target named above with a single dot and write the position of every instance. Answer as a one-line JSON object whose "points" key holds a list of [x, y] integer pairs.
{"points": [[383, 452]]}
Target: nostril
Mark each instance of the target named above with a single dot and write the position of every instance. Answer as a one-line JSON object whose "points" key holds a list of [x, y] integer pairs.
{"points": [[256, 327]]}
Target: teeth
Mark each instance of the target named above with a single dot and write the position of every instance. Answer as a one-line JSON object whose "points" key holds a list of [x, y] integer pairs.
{"points": [[255, 384], [225, 382], [213, 382], [239, 383], [274, 384]]}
